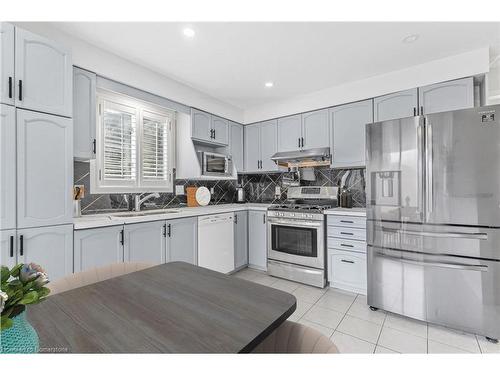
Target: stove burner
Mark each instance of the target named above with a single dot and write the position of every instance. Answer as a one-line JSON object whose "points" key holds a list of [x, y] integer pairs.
{"points": [[301, 207]]}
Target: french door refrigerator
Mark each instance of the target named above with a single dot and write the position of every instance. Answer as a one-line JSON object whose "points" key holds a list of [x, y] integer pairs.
{"points": [[433, 210]]}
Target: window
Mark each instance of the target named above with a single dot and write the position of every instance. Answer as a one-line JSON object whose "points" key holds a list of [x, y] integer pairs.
{"points": [[135, 146]]}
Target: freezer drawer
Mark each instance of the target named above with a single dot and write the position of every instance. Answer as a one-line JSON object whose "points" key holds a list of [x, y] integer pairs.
{"points": [[457, 292], [476, 242]]}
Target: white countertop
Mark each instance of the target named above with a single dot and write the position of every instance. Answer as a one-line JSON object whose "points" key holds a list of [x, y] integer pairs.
{"points": [[356, 211], [110, 219]]}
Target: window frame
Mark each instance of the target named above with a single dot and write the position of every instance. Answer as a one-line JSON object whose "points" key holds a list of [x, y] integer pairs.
{"points": [[106, 99]]}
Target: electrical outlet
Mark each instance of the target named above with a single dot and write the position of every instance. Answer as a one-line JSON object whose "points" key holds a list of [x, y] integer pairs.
{"points": [[212, 190], [277, 191], [179, 190]]}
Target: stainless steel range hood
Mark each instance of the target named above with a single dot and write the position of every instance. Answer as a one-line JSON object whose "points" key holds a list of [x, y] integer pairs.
{"points": [[313, 157]]}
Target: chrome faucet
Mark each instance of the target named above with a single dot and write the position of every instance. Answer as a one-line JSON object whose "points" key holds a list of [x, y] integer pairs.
{"points": [[138, 201]]}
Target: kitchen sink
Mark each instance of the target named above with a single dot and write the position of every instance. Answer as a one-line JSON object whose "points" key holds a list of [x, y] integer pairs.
{"points": [[145, 213]]}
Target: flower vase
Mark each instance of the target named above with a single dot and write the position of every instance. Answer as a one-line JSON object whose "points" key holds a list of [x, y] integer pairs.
{"points": [[21, 337]]}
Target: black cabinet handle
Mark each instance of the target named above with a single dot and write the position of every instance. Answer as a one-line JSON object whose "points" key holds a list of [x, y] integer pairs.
{"points": [[21, 245], [94, 146], [346, 245], [169, 232], [347, 233], [235, 219], [122, 237], [11, 246], [264, 218], [214, 134], [414, 111], [20, 89], [299, 141], [347, 261], [347, 221], [164, 230], [302, 138], [421, 110], [10, 87]]}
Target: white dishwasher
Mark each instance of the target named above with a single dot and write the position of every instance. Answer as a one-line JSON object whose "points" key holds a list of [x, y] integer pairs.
{"points": [[216, 242]]}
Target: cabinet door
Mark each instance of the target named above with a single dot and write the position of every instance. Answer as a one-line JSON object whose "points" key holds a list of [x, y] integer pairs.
{"points": [[182, 240], [84, 114], [236, 146], [220, 128], [7, 81], [8, 167], [252, 148], [50, 247], [289, 133], [201, 125], [268, 145], [257, 239], [8, 248], [347, 270], [315, 129], [397, 105], [446, 96], [348, 123], [44, 72], [98, 247], [145, 242], [44, 169], [240, 239]]}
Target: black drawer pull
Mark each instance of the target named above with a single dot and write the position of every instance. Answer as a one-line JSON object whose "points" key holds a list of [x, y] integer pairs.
{"points": [[21, 245], [346, 245], [11, 246], [169, 231], [10, 87], [347, 221], [347, 233], [94, 146], [122, 236], [20, 89], [347, 261]]}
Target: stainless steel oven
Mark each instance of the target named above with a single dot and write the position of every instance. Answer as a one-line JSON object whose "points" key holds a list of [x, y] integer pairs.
{"points": [[213, 164]]}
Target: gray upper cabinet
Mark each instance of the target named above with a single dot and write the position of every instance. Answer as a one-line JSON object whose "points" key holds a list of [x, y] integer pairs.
{"points": [[7, 83], [446, 96], [8, 248], [257, 239], [43, 73], [397, 105], [44, 169], [268, 145], [84, 114], [182, 240], [252, 148], [220, 128], [98, 247], [348, 123], [7, 167], [315, 129], [240, 239], [236, 145], [209, 129], [50, 247], [289, 133], [145, 242]]}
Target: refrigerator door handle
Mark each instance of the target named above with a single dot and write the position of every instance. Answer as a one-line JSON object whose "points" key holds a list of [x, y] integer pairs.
{"points": [[464, 235], [429, 198], [458, 266], [420, 169]]}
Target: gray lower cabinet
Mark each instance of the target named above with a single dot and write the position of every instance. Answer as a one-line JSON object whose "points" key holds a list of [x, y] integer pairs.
{"points": [[240, 239], [98, 247], [446, 96], [8, 248], [50, 247], [396, 105], [145, 242], [257, 239], [84, 114], [182, 240]]}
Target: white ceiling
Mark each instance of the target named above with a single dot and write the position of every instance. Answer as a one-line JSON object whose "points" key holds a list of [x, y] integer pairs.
{"points": [[232, 61]]}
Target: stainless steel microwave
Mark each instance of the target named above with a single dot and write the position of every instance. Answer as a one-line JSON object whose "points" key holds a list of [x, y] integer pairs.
{"points": [[213, 164]]}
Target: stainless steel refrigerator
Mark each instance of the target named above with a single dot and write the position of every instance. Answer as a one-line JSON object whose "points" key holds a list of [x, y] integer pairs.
{"points": [[433, 210]]}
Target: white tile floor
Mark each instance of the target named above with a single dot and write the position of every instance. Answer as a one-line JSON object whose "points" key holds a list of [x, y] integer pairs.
{"points": [[354, 328]]}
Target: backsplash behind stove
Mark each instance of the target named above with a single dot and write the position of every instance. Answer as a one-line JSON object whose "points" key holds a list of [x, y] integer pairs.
{"points": [[259, 188]]}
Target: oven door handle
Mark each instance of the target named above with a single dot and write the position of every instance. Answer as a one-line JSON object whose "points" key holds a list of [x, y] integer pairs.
{"points": [[302, 224], [458, 266]]}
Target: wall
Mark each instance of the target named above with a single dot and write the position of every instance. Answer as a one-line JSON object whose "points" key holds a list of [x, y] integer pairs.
{"points": [[258, 188], [114, 67], [463, 65]]}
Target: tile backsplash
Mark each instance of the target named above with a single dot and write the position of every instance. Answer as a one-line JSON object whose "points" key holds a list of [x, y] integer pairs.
{"points": [[258, 188]]}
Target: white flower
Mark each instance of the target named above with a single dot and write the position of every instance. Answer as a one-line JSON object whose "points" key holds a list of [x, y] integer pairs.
{"points": [[31, 272], [3, 297]]}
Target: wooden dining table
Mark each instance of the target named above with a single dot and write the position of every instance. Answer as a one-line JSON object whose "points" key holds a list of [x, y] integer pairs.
{"points": [[170, 308]]}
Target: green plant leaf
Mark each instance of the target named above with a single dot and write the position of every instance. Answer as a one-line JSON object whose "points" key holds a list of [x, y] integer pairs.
{"points": [[43, 292], [28, 286], [15, 283], [29, 298], [6, 323], [16, 269], [7, 312], [5, 274]]}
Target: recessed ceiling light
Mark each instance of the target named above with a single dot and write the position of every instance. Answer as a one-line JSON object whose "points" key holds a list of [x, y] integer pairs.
{"points": [[269, 84], [188, 32], [411, 38]]}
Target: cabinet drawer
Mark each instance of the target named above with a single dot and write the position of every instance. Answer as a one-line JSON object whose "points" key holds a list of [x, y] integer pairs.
{"points": [[348, 233], [343, 244], [347, 221], [347, 270]]}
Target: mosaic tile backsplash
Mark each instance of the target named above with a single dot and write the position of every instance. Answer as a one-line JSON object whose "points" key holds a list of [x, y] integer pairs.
{"points": [[259, 188]]}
